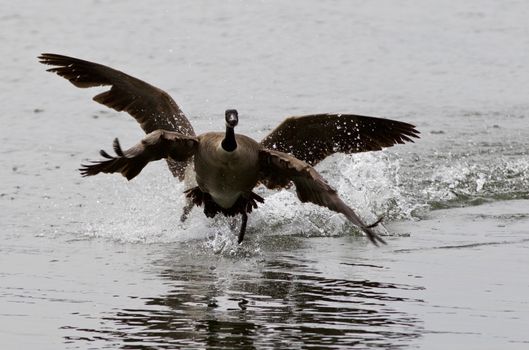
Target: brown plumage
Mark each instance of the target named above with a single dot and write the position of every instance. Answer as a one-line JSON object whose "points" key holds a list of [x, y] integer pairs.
{"points": [[153, 108], [229, 166], [315, 137]]}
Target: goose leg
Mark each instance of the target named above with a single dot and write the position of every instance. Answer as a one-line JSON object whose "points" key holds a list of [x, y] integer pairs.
{"points": [[187, 209], [243, 227]]}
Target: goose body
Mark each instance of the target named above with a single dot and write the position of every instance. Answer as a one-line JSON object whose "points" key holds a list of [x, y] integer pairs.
{"points": [[226, 175], [228, 166]]}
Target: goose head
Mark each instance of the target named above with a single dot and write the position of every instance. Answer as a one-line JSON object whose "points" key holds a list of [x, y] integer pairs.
{"points": [[232, 119]]}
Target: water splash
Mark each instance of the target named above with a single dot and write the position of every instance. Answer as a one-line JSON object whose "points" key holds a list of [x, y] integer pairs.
{"points": [[471, 181], [148, 209]]}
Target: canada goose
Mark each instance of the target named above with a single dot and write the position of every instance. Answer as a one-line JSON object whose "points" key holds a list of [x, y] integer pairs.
{"points": [[227, 165]]}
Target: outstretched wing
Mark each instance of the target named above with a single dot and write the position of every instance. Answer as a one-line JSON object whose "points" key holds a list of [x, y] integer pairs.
{"points": [[279, 169], [156, 145], [153, 108], [312, 138]]}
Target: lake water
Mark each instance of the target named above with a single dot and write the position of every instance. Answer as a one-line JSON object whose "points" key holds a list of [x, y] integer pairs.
{"points": [[100, 262]]}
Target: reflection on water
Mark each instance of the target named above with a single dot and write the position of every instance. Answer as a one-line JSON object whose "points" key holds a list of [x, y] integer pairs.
{"points": [[286, 302]]}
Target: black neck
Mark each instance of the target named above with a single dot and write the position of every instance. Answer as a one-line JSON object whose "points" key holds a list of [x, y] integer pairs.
{"points": [[229, 144]]}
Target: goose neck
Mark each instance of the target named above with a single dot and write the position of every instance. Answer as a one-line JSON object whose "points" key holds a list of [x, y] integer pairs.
{"points": [[229, 144]]}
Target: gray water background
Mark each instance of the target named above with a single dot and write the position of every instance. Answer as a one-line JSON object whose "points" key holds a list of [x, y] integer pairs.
{"points": [[105, 263]]}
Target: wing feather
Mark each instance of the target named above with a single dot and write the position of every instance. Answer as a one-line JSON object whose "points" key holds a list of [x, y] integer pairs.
{"points": [[152, 107], [279, 169], [312, 138], [155, 146]]}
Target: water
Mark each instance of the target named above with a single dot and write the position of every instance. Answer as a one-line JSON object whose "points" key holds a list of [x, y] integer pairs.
{"points": [[106, 263]]}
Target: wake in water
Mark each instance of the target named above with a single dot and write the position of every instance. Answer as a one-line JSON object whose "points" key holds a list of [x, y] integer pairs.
{"points": [[459, 181]]}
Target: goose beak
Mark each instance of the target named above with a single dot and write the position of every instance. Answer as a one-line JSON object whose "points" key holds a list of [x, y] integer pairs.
{"points": [[232, 118]]}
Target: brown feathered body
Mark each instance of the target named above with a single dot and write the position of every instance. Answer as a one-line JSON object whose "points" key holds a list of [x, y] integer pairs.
{"points": [[226, 175]]}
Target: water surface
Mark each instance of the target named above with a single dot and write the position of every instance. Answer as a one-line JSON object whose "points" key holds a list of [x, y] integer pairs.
{"points": [[106, 263]]}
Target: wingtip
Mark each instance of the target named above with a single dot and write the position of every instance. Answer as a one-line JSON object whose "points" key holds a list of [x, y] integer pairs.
{"points": [[374, 237], [117, 147], [84, 170], [42, 58], [45, 57]]}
